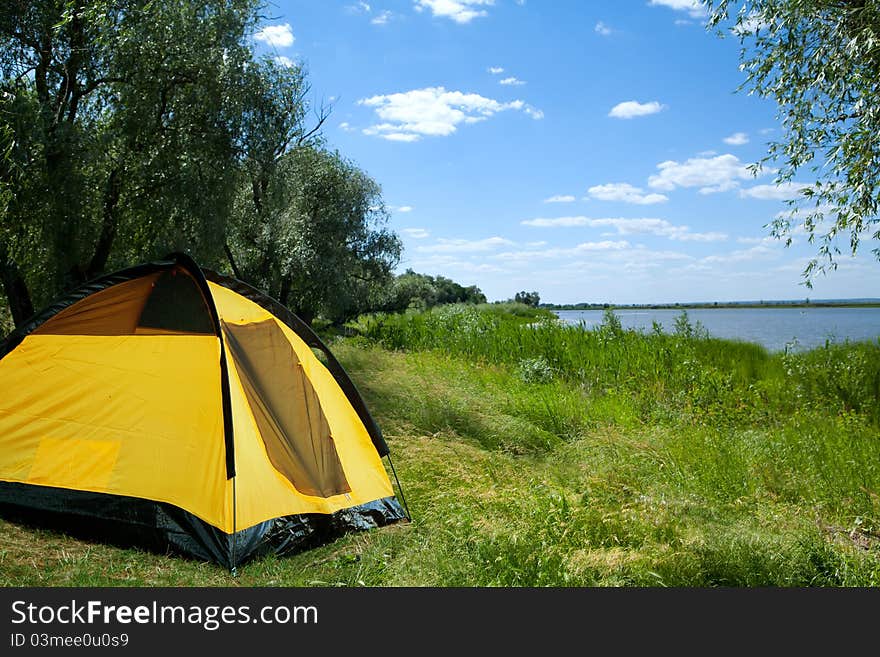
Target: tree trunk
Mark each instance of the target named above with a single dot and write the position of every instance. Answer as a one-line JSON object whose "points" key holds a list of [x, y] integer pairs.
{"points": [[305, 315], [235, 270], [16, 291], [284, 294], [109, 224]]}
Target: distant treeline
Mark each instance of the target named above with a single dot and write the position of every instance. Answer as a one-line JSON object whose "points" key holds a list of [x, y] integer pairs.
{"points": [[805, 303]]}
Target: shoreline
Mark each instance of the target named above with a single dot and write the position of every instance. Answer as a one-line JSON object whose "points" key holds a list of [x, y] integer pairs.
{"points": [[712, 305]]}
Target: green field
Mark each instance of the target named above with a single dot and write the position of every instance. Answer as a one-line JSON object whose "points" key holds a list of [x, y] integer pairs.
{"points": [[535, 454]]}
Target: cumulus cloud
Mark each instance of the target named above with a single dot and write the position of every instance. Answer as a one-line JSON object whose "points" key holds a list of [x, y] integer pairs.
{"points": [[287, 62], [625, 193], [630, 109], [737, 139], [280, 36], [694, 8], [629, 226], [560, 198], [512, 81], [759, 251], [434, 112], [495, 70], [465, 246], [460, 11], [781, 192], [416, 233], [602, 28], [381, 18], [711, 174]]}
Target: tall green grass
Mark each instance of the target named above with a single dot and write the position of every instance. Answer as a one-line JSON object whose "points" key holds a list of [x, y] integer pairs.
{"points": [[679, 458], [710, 380]]}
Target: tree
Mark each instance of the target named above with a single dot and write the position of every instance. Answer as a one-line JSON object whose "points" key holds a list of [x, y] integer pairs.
{"points": [[414, 290], [528, 298], [820, 61], [126, 119], [318, 241]]}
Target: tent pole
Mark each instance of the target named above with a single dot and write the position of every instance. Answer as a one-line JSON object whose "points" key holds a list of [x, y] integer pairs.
{"points": [[400, 488], [234, 570]]}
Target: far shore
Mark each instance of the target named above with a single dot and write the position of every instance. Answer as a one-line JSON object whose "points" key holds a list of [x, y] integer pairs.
{"points": [[822, 303]]}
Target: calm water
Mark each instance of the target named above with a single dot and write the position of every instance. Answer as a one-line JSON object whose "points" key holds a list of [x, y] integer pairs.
{"points": [[771, 327]]}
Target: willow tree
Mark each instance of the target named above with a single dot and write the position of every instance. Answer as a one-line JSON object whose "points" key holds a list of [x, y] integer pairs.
{"points": [[126, 117], [819, 60], [319, 240]]}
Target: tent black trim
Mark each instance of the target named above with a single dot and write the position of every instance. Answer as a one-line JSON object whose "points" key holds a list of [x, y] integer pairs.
{"points": [[134, 521]]}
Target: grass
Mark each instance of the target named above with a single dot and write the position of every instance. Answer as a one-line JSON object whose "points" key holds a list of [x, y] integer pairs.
{"points": [[534, 454]]}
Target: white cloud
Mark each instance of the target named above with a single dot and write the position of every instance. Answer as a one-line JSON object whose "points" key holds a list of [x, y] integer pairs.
{"points": [[626, 193], [416, 233], [759, 251], [434, 111], [460, 11], [737, 139], [781, 192], [715, 174], [403, 208], [602, 28], [285, 61], [629, 226], [557, 253], [533, 112], [465, 246], [280, 36], [346, 126], [382, 18], [694, 8], [630, 109], [511, 81], [495, 70], [767, 239], [561, 198]]}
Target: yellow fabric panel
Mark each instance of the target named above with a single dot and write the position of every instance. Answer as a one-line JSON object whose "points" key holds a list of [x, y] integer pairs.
{"points": [[66, 462], [234, 308], [262, 492], [114, 311], [126, 415]]}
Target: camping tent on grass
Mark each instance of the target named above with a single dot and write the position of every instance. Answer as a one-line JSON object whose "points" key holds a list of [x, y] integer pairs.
{"points": [[185, 409]]}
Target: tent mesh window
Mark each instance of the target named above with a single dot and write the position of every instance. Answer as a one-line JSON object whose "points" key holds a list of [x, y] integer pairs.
{"points": [[286, 408]]}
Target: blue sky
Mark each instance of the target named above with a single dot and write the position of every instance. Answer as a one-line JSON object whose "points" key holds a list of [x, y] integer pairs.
{"points": [[592, 151]]}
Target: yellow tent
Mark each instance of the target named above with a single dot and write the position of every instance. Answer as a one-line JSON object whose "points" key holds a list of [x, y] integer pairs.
{"points": [[189, 410]]}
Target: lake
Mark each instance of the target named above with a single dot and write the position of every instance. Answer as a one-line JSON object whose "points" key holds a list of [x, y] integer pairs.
{"points": [[772, 327]]}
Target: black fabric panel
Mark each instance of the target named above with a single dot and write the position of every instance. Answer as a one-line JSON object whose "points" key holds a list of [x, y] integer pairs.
{"points": [[176, 304], [134, 522], [308, 336], [114, 519]]}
